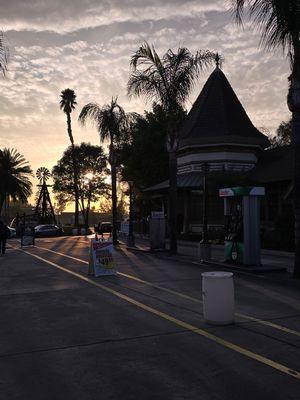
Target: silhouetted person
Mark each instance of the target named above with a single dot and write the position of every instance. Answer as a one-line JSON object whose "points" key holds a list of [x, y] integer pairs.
{"points": [[4, 235]]}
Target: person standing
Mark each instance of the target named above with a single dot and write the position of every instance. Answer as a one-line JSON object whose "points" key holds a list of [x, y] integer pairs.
{"points": [[4, 235]]}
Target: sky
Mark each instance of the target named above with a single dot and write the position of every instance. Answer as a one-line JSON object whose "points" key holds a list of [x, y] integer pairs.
{"points": [[86, 45]]}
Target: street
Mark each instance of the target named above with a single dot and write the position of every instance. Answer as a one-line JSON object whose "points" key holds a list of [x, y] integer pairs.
{"points": [[140, 334]]}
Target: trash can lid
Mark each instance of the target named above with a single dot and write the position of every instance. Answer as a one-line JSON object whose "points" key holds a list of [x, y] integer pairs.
{"points": [[217, 275]]}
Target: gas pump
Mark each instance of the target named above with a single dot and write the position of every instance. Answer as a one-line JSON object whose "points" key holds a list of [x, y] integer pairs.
{"points": [[242, 224], [234, 235]]}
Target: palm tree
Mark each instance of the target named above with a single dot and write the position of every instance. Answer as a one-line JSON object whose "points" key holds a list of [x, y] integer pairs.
{"points": [[278, 22], [167, 80], [111, 120], [15, 176], [4, 53], [67, 104]]}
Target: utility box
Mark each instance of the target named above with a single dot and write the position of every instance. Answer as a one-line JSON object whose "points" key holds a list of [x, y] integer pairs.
{"points": [[157, 230], [242, 223]]}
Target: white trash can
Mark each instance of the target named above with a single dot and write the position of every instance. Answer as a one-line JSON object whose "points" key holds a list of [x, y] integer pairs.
{"points": [[218, 297]]}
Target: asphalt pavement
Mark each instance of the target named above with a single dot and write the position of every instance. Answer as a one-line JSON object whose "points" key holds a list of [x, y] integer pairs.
{"points": [[139, 334]]}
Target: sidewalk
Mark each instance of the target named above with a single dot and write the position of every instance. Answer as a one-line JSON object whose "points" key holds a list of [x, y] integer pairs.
{"points": [[269, 258]]}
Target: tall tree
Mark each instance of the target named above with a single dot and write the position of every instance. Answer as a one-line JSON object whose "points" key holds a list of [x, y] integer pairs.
{"points": [[91, 171], [143, 154], [110, 121], [67, 104], [167, 80], [279, 24], [15, 174]]}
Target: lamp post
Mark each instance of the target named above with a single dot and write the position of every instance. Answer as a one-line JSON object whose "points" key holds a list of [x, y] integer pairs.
{"points": [[204, 210], [130, 237], [204, 245], [88, 181]]}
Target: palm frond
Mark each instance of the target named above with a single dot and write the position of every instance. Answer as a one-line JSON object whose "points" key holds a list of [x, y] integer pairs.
{"points": [[144, 84], [238, 10], [4, 53], [145, 55], [169, 79], [15, 175], [278, 21], [89, 112], [68, 100], [109, 119], [204, 59]]}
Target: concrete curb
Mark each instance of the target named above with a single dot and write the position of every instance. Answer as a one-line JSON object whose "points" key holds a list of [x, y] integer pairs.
{"points": [[189, 244]]}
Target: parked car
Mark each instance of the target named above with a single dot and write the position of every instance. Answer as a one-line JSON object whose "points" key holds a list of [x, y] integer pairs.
{"points": [[13, 232], [104, 227], [47, 230]]}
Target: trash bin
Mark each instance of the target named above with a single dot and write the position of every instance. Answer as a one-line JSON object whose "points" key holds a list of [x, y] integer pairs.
{"points": [[204, 251], [218, 297]]}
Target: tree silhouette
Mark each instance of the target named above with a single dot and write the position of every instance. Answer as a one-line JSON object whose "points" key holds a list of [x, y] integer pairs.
{"points": [[167, 80], [67, 104], [91, 170], [110, 121], [15, 174], [278, 22]]}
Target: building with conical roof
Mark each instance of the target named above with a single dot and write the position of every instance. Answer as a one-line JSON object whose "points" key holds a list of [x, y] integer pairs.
{"points": [[219, 134], [218, 131]]}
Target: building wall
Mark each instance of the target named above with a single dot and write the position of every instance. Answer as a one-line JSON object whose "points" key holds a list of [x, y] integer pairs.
{"points": [[222, 160]]}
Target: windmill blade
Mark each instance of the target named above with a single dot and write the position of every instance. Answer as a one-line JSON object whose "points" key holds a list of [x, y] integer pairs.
{"points": [[43, 174]]}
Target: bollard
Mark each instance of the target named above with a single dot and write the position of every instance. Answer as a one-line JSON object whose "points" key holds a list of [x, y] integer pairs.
{"points": [[218, 297]]}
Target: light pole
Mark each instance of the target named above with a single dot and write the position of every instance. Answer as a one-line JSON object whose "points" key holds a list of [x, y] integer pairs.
{"points": [[204, 210], [88, 181], [204, 245], [130, 237]]}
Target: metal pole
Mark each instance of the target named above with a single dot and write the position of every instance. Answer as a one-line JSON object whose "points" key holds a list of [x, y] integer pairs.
{"points": [[204, 217], [130, 238], [130, 209], [204, 245]]}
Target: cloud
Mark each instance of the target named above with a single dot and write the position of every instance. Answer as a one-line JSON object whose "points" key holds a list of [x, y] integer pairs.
{"points": [[72, 15], [86, 45]]}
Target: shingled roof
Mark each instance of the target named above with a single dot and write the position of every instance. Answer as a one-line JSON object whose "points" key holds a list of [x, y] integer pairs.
{"points": [[190, 180], [274, 165], [218, 117]]}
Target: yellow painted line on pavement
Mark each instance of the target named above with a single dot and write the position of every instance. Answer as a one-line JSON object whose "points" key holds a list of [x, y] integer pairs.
{"points": [[184, 296], [176, 321], [135, 278]]}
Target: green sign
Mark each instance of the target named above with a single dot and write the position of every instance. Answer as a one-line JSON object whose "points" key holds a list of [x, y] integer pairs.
{"points": [[242, 191]]}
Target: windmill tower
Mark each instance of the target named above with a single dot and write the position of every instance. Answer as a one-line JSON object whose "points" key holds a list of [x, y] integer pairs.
{"points": [[44, 209]]}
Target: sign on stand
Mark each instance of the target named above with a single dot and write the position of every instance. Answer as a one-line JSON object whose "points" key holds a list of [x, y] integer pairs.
{"points": [[27, 238], [101, 259]]}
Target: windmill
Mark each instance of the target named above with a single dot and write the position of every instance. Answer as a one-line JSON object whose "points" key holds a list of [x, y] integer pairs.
{"points": [[44, 209]]}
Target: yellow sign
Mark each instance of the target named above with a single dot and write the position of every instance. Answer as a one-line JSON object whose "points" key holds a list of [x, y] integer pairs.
{"points": [[101, 259]]}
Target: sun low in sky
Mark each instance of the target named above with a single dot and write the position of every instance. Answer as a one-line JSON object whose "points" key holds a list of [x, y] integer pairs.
{"points": [[87, 45]]}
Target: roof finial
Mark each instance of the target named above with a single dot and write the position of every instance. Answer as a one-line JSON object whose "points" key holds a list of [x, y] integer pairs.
{"points": [[218, 60]]}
